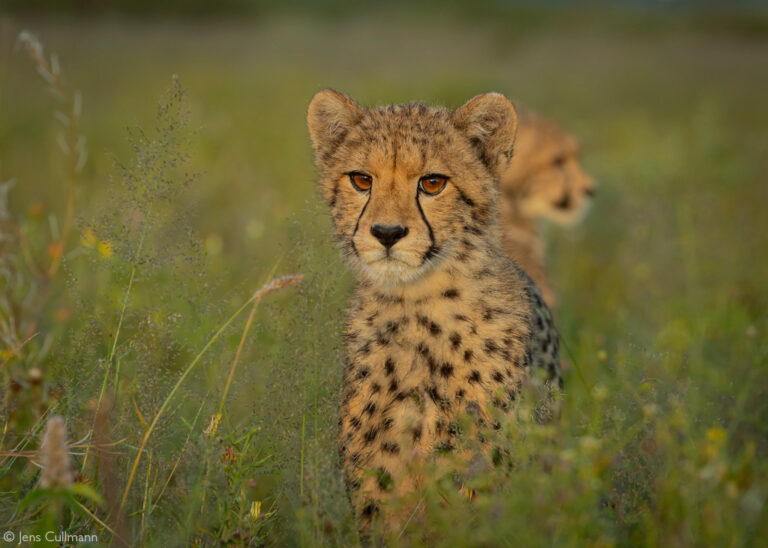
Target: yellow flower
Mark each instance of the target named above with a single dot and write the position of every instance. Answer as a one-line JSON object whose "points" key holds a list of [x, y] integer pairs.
{"points": [[105, 249], [715, 439], [255, 509], [716, 435], [88, 239]]}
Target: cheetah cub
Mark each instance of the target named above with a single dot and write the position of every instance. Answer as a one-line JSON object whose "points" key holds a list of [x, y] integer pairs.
{"points": [[544, 181], [442, 324]]}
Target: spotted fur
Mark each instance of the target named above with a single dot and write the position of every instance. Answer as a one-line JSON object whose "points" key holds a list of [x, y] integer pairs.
{"points": [[442, 323]]}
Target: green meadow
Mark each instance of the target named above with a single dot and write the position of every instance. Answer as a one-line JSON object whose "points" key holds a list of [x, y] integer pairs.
{"points": [[156, 173]]}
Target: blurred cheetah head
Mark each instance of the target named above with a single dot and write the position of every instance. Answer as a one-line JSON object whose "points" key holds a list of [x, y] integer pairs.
{"points": [[545, 177], [410, 187]]}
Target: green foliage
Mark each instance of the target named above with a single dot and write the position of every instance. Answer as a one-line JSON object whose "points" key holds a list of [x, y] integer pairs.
{"points": [[663, 437]]}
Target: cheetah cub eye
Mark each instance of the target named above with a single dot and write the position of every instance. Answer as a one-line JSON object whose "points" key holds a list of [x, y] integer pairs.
{"points": [[361, 181], [432, 184]]}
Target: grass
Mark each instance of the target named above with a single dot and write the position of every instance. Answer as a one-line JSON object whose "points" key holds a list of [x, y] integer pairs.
{"points": [[202, 426]]}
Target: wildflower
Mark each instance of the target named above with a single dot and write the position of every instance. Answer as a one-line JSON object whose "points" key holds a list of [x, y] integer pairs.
{"points": [[88, 238], [255, 509], [716, 435], [715, 439], [105, 249], [54, 455], [602, 355], [213, 426]]}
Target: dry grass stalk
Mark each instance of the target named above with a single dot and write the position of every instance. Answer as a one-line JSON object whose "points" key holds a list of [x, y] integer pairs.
{"points": [[54, 455]]}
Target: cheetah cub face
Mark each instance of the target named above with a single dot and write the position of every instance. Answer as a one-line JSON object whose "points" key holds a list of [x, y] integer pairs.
{"points": [[546, 178], [409, 185]]}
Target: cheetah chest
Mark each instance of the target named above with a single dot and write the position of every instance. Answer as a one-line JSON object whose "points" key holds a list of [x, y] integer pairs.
{"points": [[413, 367]]}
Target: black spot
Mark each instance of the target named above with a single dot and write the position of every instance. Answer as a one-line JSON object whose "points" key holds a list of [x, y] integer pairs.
{"points": [[375, 388], [433, 394], [388, 423], [460, 317], [370, 408], [369, 319], [365, 349], [382, 339], [390, 447], [400, 396], [452, 293], [417, 433], [491, 347], [363, 372], [354, 458], [472, 229], [499, 403], [446, 370], [468, 354], [371, 434], [474, 377], [389, 366], [497, 376], [432, 365], [393, 386], [431, 326], [460, 394], [422, 349], [455, 339], [392, 327], [355, 422]]}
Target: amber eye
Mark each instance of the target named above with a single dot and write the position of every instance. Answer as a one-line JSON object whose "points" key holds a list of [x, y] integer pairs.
{"points": [[559, 160], [361, 181], [432, 184]]}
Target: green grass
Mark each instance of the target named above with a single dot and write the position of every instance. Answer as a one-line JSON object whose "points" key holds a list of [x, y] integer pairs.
{"points": [[663, 439]]}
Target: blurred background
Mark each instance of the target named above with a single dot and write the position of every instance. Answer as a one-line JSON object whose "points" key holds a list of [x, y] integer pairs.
{"points": [[662, 288]]}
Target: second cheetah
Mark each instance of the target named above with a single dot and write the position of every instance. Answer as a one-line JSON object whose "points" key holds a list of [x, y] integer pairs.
{"points": [[442, 323]]}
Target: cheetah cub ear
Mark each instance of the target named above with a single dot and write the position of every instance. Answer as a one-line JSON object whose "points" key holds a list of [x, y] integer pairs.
{"points": [[330, 116], [490, 122]]}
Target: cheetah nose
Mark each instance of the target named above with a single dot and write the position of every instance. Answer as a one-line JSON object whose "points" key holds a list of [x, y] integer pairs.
{"points": [[389, 235]]}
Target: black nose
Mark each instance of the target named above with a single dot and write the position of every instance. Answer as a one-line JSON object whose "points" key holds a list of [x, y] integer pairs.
{"points": [[388, 235]]}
